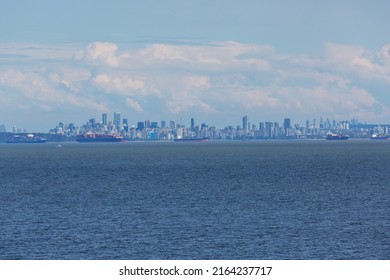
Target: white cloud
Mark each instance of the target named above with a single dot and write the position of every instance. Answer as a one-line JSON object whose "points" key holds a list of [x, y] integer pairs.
{"points": [[120, 84], [201, 79], [385, 53], [133, 105], [213, 57], [34, 52], [103, 52], [183, 92], [30, 89], [355, 60]]}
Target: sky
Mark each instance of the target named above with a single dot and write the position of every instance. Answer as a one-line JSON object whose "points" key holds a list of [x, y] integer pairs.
{"points": [[69, 61]]}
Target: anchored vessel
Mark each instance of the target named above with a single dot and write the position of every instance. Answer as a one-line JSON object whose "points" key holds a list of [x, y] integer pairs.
{"points": [[94, 137], [379, 137], [336, 136], [204, 139], [25, 139]]}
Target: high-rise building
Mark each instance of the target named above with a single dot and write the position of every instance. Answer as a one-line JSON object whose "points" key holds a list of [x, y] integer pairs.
{"points": [[104, 119], [92, 122], [126, 125], [72, 126], [269, 129], [245, 122], [321, 123], [2, 128], [192, 124], [261, 129], [140, 125], [253, 127], [276, 129], [287, 126], [117, 120], [147, 123]]}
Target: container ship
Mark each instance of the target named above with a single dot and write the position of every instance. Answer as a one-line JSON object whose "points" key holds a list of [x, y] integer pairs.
{"points": [[336, 136], [25, 139], [98, 138], [204, 139]]}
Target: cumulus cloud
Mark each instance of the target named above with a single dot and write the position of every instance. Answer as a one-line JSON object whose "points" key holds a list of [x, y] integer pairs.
{"points": [[102, 52], [133, 105], [120, 84], [217, 56], [31, 89], [355, 60], [344, 82], [385, 53]]}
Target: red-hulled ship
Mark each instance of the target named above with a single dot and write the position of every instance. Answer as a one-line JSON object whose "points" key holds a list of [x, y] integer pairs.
{"points": [[98, 138]]}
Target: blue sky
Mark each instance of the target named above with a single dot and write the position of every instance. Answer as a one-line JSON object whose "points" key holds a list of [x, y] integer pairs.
{"points": [[214, 60]]}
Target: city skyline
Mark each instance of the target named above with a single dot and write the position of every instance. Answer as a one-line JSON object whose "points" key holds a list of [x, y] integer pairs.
{"points": [[118, 120], [164, 130], [211, 60]]}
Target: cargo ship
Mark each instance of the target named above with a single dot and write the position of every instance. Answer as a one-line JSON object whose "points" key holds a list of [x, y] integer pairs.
{"points": [[379, 137], [336, 136], [98, 138], [25, 139], [204, 139]]}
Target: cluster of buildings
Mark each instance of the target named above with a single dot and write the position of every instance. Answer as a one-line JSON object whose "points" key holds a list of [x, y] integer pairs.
{"points": [[153, 130]]}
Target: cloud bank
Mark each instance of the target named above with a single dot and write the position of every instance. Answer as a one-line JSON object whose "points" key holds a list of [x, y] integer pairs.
{"points": [[216, 82]]}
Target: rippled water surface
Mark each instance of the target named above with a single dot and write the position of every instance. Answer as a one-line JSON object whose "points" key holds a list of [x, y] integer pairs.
{"points": [[216, 200]]}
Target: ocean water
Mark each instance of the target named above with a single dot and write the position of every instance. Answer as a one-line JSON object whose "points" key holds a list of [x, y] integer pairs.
{"points": [[216, 200]]}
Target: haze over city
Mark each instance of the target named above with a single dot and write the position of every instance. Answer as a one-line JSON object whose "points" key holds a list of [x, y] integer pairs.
{"points": [[212, 60]]}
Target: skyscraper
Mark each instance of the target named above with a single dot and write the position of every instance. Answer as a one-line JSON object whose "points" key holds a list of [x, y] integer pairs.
{"points": [[192, 124], [287, 126], [126, 125], [117, 120], [104, 119], [147, 123], [269, 126], [140, 125], [261, 129], [2, 128], [92, 121], [245, 122]]}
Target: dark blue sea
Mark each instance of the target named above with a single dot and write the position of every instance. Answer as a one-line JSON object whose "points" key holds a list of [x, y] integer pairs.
{"points": [[216, 200]]}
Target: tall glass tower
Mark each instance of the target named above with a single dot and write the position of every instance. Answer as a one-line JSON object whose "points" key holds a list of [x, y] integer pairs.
{"points": [[287, 126], [104, 119], [117, 120]]}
